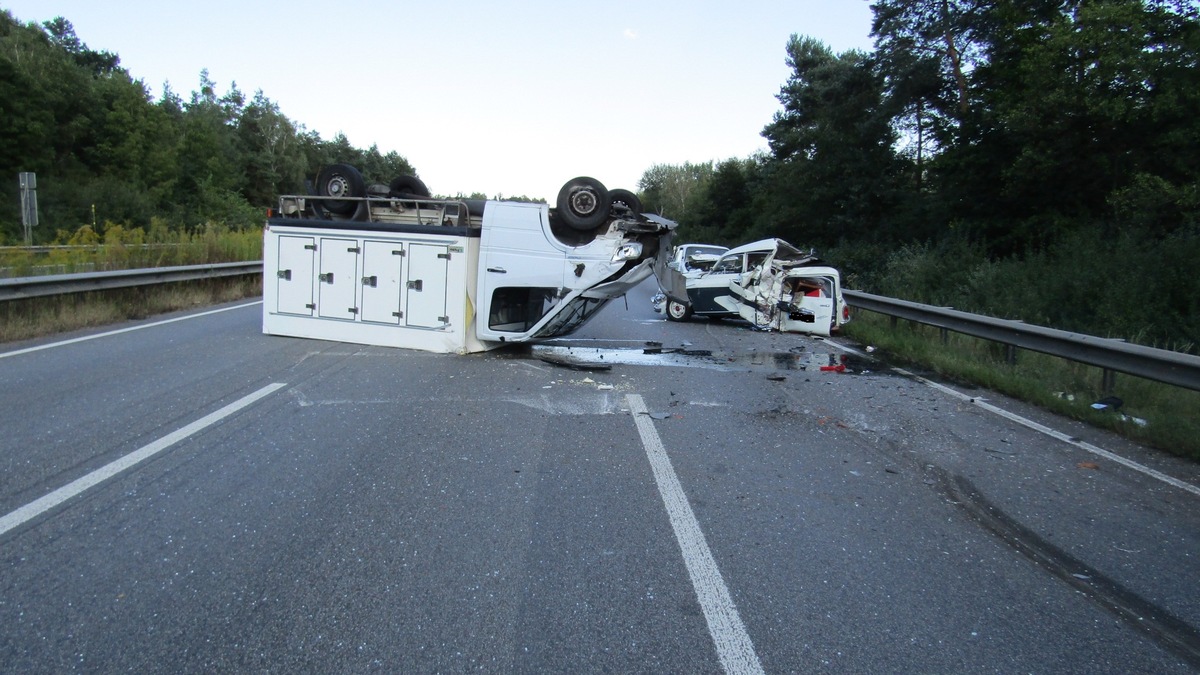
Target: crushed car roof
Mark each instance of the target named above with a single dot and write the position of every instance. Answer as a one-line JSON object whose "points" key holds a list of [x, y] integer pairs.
{"points": [[767, 245]]}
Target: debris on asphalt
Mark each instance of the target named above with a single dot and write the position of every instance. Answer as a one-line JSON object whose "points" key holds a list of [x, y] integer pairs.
{"points": [[1108, 403], [575, 365]]}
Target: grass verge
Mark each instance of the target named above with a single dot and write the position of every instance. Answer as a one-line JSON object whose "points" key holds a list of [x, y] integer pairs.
{"points": [[37, 317], [1153, 414]]}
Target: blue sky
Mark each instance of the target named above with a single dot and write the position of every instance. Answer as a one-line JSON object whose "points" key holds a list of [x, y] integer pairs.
{"points": [[503, 98]]}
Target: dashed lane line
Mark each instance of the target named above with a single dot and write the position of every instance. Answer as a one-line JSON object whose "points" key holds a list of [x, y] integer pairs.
{"points": [[733, 644], [74, 488]]}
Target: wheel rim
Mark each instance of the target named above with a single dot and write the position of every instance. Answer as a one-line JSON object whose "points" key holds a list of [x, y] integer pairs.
{"points": [[337, 186], [676, 309], [583, 202]]}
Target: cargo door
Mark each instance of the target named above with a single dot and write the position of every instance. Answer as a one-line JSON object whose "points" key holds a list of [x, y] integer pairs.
{"points": [[337, 281], [382, 277], [428, 265], [294, 275]]}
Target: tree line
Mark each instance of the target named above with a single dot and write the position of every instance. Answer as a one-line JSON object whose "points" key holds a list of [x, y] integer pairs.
{"points": [[105, 151], [1030, 159], [1033, 159]]}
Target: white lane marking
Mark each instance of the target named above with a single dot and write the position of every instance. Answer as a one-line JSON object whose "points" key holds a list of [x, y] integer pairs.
{"points": [[79, 485], [1028, 423], [63, 343], [729, 635]]}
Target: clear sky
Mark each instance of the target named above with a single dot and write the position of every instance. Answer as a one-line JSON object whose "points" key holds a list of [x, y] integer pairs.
{"points": [[503, 97]]}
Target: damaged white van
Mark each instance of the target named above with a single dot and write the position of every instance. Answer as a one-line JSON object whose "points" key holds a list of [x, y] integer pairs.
{"points": [[769, 283]]}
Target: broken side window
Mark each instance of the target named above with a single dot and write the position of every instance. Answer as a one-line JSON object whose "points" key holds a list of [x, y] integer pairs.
{"points": [[516, 309]]}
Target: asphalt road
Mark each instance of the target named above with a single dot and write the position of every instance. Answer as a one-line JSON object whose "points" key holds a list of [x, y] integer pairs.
{"points": [[194, 496]]}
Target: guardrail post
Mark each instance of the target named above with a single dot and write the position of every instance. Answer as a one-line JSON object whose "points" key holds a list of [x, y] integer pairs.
{"points": [[1010, 354], [894, 321], [945, 336], [1108, 381]]}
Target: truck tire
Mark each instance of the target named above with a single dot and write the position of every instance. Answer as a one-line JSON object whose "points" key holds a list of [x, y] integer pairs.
{"points": [[678, 311], [627, 199], [340, 180], [408, 186], [583, 203]]}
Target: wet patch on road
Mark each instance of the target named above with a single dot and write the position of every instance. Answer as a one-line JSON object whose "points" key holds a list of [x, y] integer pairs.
{"points": [[687, 356]]}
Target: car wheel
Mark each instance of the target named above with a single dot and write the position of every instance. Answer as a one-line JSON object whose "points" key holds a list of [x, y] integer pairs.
{"points": [[627, 199], [583, 203], [408, 186], [340, 180], [678, 311]]}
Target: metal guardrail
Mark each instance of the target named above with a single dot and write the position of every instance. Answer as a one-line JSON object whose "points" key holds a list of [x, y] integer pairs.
{"points": [[1161, 365], [61, 284]]}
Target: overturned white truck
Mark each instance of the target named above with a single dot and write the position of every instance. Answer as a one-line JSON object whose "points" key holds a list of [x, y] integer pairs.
{"points": [[390, 265]]}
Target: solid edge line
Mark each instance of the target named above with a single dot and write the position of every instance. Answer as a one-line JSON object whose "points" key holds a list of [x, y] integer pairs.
{"points": [[1028, 423], [733, 644], [79, 485], [63, 343]]}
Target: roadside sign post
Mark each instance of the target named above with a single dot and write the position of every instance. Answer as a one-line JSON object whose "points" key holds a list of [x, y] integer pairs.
{"points": [[29, 215]]}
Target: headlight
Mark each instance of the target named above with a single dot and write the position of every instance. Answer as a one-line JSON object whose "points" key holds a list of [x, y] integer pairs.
{"points": [[628, 252]]}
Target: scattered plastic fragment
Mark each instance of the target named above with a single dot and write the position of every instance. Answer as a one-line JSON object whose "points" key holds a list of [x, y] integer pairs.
{"points": [[1107, 403]]}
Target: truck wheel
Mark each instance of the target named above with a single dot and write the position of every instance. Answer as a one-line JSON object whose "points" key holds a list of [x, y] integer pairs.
{"points": [[583, 203], [677, 311], [408, 186], [627, 199], [340, 180]]}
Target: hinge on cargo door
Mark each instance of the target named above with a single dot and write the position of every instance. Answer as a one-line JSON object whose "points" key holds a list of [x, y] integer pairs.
{"points": [[285, 274], [415, 285], [310, 306], [372, 281], [327, 277], [398, 315], [444, 319], [444, 256], [353, 249], [310, 247], [352, 310], [399, 252]]}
